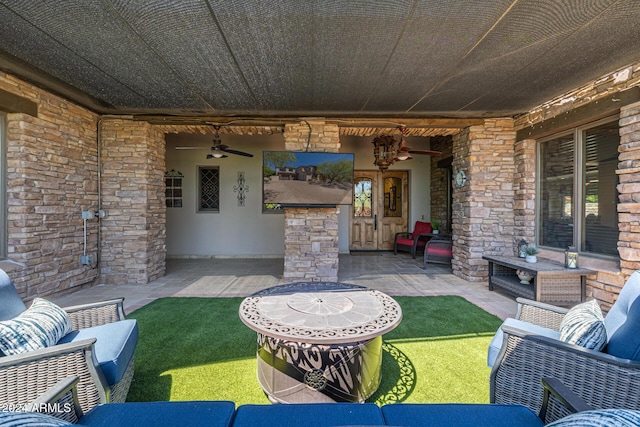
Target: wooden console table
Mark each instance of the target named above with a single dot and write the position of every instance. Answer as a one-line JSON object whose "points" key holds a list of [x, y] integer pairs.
{"points": [[552, 283]]}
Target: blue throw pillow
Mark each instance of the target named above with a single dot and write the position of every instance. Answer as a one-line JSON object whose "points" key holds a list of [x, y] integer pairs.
{"points": [[600, 418], [41, 325], [625, 341], [29, 419], [583, 325]]}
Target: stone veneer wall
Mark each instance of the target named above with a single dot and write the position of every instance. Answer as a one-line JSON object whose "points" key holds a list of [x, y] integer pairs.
{"points": [[311, 234], [629, 188], [524, 186], [51, 178], [607, 285], [483, 210], [134, 230]]}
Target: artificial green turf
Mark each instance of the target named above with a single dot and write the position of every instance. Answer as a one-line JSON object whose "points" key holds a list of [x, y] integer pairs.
{"points": [[198, 349]]}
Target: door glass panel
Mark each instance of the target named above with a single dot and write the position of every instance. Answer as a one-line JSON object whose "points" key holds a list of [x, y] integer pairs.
{"points": [[362, 188], [393, 197]]}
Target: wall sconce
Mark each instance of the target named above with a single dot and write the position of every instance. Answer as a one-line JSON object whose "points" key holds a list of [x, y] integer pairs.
{"points": [[571, 257]]}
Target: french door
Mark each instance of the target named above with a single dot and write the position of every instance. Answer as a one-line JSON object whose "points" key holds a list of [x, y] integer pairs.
{"points": [[379, 210]]}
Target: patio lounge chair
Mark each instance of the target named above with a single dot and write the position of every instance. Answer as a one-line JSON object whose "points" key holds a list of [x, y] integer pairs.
{"points": [[99, 349], [413, 241], [530, 347], [62, 400], [438, 250]]}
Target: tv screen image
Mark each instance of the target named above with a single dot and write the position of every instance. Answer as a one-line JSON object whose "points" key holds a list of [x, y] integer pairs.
{"points": [[307, 178]]}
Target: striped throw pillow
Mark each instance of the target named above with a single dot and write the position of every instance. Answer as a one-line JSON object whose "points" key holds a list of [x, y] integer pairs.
{"points": [[29, 419], [583, 325], [600, 418], [41, 325]]}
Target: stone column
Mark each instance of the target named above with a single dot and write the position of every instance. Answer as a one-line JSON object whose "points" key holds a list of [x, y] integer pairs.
{"points": [[629, 189], [311, 234], [483, 209], [525, 192], [132, 182]]}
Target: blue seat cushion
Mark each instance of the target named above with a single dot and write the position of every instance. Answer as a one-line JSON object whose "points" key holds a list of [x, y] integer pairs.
{"points": [[12, 304], [625, 342], [308, 415], [496, 342], [115, 344], [459, 415], [618, 313], [154, 414]]}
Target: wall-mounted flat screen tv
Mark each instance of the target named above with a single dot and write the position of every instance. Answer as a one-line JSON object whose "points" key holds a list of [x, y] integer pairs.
{"points": [[307, 178]]}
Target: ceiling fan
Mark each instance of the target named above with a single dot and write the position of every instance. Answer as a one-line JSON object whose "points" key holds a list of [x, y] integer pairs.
{"points": [[385, 152], [404, 151], [218, 149]]}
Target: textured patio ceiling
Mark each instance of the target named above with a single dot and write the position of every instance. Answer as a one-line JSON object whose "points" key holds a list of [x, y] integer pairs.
{"points": [[328, 58]]}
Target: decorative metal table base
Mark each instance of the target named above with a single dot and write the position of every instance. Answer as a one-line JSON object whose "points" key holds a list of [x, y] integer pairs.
{"points": [[319, 341], [293, 372]]}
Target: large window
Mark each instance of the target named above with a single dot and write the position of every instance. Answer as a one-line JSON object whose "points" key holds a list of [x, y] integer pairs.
{"points": [[578, 189]]}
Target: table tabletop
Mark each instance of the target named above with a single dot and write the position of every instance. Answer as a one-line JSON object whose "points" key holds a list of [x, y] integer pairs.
{"points": [[320, 312], [542, 267]]}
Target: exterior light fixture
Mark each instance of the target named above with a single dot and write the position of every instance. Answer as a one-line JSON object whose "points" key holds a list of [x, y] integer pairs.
{"points": [[384, 151]]}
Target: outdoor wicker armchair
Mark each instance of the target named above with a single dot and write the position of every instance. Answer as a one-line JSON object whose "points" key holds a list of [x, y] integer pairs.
{"points": [[603, 379], [105, 370], [438, 250], [413, 241]]}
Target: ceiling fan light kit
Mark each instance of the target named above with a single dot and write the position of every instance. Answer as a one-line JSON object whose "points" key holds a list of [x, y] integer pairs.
{"points": [[219, 149]]}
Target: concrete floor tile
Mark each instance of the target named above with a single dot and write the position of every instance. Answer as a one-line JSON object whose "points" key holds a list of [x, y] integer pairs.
{"points": [[395, 275]]}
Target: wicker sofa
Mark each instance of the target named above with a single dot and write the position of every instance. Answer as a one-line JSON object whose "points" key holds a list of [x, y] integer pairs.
{"points": [[99, 349], [528, 348]]}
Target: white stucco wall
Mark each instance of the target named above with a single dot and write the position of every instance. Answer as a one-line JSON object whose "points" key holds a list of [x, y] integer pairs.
{"points": [[244, 231]]}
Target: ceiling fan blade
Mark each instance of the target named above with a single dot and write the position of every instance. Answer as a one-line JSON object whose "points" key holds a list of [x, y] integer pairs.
{"points": [[239, 153], [191, 148], [427, 152]]}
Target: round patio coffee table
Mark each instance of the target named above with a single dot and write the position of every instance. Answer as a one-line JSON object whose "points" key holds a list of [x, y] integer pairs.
{"points": [[319, 341]]}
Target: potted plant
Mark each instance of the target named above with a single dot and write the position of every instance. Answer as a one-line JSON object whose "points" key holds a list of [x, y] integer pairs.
{"points": [[531, 251], [435, 226]]}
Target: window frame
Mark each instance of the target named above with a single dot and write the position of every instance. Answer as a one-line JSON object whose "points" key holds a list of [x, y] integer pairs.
{"points": [[577, 133], [199, 208]]}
